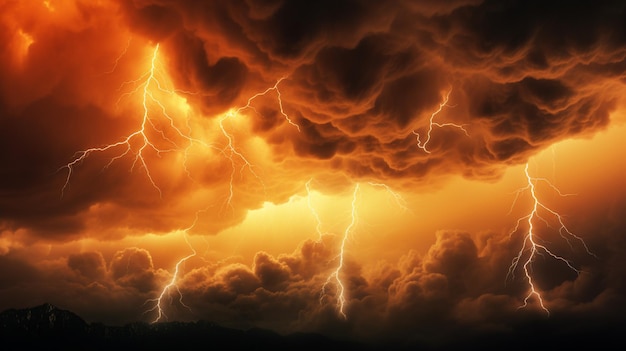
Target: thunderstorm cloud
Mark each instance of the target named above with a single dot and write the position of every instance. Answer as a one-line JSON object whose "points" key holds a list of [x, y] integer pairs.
{"points": [[246, 101]]}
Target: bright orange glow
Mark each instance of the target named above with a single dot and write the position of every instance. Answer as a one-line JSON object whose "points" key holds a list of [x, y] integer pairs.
{"points": [[370, 167]]}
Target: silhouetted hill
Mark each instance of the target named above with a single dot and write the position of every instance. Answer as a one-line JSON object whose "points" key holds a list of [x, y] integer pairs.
{"points": [[50, 328], [42, 325], [47, 327]]}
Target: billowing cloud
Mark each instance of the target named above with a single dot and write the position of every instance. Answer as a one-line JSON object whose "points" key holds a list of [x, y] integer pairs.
{"points": [[361, 97], [124, 121], [458, 286], [363, 92], [90, 265]]}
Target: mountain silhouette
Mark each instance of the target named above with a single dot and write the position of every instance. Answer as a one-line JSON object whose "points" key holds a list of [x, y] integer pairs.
{"points": [[50, 328], [47, 327]]}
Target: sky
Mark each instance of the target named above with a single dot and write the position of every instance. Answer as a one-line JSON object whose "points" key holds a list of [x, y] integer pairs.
{"points": [[369, 170]]}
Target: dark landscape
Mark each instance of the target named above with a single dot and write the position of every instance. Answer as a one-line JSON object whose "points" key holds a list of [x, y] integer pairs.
{"points": [[51, 328]]}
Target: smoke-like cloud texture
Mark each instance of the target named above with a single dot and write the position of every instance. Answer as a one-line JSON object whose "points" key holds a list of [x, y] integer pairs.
{"points": [[243, 102]]}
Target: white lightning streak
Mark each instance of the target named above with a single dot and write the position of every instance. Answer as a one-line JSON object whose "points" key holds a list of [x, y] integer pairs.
{"points": [[334, 276], [532, 244], [431, 123]]}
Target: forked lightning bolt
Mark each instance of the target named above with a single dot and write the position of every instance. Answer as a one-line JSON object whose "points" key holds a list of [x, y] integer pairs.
{"points": [[231, 151], [158, 302], [334, 277], [397, 198], [431, 123], [532, 242], [142, 140], [166, 291], [278, 97], [142, 136]]}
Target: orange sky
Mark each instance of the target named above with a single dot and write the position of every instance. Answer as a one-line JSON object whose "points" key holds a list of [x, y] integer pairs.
{"points": [[232, 136]]}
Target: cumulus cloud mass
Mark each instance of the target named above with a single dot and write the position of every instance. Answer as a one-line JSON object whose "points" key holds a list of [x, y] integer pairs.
{"points": [[371, 170]]}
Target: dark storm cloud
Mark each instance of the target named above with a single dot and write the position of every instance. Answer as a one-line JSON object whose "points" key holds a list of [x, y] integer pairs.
{"points": [[15, 272], [272, 273], [219, 82], [69, 92], [115, 292], [363, 76], [361, 80], [151, 20], [133, 267], [90, 265], [47, 104]]}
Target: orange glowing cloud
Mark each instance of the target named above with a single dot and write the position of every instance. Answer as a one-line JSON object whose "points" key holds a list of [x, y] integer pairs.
{"points": [[344, 167]]}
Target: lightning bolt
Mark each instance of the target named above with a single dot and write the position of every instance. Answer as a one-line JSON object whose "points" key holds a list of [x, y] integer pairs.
{"points": [[149, 137], [334, 277], [431, 124], [142, 136], [397, 198], [172, 285], [231, 151], [278, 98], [532, 242], [140, 141], [318, 221], [117, 60]]}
